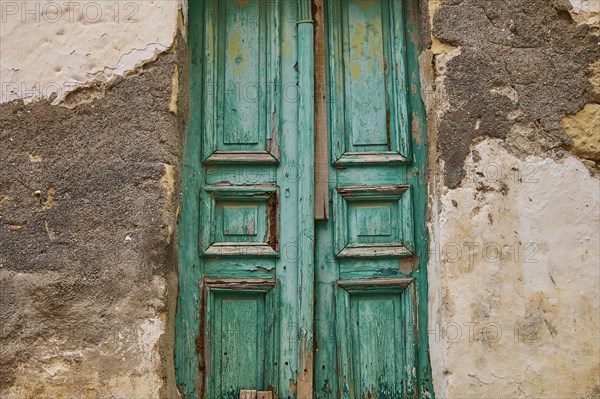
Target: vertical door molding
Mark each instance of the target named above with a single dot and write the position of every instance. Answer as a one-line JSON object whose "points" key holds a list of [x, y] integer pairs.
{"points": [[306, 210], [187, 326]]}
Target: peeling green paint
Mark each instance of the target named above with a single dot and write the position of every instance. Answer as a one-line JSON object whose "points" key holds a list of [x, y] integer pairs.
{"points": [[238, 133]]}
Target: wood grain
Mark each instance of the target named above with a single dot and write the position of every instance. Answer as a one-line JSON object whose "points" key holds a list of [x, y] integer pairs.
{"points": [[321, 129]]}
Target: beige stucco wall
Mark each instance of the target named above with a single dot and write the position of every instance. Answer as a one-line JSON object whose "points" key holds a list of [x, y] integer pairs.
{"points": [[515, 302], [514, 273]]}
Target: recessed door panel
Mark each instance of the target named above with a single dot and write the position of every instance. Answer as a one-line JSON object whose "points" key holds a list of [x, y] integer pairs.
{"points": [[241, 109], [240, 220], [242, 41], [240, 342], [373, 221], [367, 74], [364, 63], [375, 338]]}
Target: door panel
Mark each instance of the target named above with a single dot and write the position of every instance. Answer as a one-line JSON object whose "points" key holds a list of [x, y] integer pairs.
{"points": [[241, 108], [245, 310], [367, 254], [373, 221], [240, 220], [241, 335], [376, 340], [368, 116]]}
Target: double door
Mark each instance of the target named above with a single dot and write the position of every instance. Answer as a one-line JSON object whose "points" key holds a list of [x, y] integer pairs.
{"points": [[302, 249]]}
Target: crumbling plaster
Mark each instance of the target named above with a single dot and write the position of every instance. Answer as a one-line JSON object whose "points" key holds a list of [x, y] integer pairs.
{"points": [[511, 91], [89, 192], [523, 65], [50, 48], [515, 251], [586, 12]]}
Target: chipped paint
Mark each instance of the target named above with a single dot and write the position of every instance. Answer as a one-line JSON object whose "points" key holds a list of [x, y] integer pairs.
{"points": [[366, 43], [242, 3], [305, 374], [238, 55], [286, 47], [366, 4]]}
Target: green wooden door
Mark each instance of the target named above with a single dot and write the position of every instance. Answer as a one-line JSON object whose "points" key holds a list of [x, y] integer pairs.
{"points": [[372, 252], [255, 282]]}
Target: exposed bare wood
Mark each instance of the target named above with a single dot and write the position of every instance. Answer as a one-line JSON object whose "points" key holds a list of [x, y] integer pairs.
{"points": [[273, 142], [273, 207], [247, 394], [305, 374], [357, 191], [240, 249], [264, 395], [226, 189], [370, 158], [372, 250], [375, 284], [236, 157], [240, 283], [321, 147], [408, 264]]}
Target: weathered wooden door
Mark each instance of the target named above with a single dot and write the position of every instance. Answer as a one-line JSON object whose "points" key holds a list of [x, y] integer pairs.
{"points": [[371, 253], [245, 315], [250, 301]]}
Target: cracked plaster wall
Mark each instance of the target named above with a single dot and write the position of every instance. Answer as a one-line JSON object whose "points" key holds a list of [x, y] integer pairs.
{"points": [[512, 90]]}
